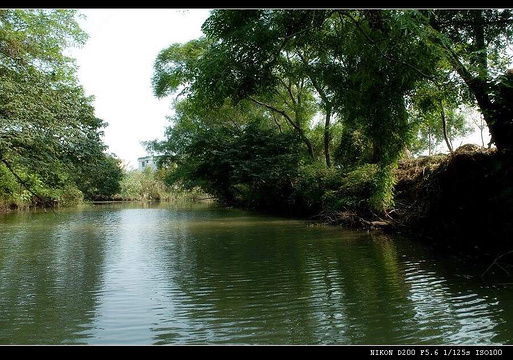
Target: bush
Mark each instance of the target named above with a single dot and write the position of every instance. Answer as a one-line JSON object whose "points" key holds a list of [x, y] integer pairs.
{"points": [[314, 181], [325, 191], [150, 185], [253, 166], [141, 185], [353, 193]]}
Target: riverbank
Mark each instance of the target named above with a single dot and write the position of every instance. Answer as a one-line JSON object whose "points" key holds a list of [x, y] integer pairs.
{"points": [[459, 203]]}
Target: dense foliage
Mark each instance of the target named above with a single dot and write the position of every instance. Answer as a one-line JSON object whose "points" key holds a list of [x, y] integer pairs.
{"points": [[352, 90], [50, 140]]}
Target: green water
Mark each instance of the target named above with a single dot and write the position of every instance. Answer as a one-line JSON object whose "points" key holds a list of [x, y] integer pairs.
{"points": [[202, 275]]}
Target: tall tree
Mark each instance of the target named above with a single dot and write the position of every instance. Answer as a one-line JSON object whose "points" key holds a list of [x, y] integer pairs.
{"points": [[259, 63], [47, 124], [365, 66], [208, 73]]}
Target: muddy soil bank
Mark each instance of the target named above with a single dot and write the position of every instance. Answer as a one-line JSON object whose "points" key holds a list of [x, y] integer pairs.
{"points": [[461, 202]]}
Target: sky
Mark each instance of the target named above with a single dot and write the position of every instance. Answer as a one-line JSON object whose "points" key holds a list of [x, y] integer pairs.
{"points": [[116, 66]]}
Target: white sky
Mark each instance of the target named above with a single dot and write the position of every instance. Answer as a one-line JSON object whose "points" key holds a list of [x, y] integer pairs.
{"points": [[116, 66]]}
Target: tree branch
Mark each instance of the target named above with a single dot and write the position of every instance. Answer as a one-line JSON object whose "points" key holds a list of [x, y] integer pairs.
{"points": [[444, 127], [279, 111], [296, 126], [26, 186]]}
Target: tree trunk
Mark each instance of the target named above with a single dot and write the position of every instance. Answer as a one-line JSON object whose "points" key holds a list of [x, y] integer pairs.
{"points": [[498, 111], [327, 137], [429, 140], [501, 120], [308, 145], [501, 131], [444, 128], [498, 114]]}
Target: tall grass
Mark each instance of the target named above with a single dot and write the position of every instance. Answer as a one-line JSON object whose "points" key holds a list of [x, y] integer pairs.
{"points": [[148, 185]]}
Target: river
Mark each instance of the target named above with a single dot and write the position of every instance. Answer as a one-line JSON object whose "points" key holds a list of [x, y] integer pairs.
{"points": [[199, 274]]}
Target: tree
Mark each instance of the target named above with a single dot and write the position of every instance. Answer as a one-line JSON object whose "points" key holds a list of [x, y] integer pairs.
{"points": [[261, 63], [175, 67], [104, 181], [385, 74], [278, 58], [47, 124], [252, 166], [437, 117], [191, 70], [475, 43]]}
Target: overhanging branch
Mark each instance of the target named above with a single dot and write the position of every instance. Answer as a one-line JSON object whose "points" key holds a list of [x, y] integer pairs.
{"points": [[26, 186]]}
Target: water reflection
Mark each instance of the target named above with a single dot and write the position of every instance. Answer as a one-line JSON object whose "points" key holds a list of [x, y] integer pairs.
{"points": [[173, 275], [50, 270]]}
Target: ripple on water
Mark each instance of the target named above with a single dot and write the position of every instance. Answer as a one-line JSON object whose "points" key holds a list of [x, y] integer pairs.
{"points": [[143, 276]]}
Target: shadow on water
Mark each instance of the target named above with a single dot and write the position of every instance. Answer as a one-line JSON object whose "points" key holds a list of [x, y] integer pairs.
{"points": [[163, 274], [243, 280]]}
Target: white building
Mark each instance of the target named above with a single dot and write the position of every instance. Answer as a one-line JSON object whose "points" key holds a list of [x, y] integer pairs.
{"points": [[146, 161]]}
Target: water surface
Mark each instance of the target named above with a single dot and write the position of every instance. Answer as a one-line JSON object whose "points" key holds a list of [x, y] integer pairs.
{"points": [[198, 274]]}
